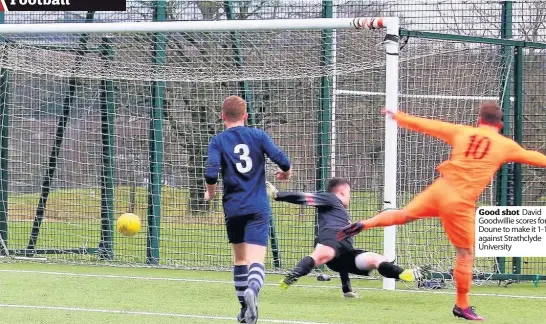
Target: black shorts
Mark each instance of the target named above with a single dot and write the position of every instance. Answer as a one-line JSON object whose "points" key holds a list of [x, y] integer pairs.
{"points": [[346, 263], [328, 237], [252, 228]]}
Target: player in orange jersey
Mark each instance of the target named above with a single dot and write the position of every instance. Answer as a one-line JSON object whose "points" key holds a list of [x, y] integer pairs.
{"points": [[477, 153]]}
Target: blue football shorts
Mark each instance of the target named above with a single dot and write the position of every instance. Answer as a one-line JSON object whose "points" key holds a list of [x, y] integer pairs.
{"points": [[251, 228]]}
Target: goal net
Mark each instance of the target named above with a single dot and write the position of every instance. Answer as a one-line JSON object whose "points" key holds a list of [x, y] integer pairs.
{"points": [[115, 118]]}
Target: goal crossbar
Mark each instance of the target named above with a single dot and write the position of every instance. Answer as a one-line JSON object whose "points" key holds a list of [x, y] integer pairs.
{"points": [[200, 26]]}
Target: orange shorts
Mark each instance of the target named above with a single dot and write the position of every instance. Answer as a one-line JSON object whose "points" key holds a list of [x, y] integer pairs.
{"points": [[456, 212]]}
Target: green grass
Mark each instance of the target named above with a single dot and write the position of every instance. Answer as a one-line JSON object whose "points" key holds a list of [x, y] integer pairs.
{"points": [[72, 220], [318, 302]]}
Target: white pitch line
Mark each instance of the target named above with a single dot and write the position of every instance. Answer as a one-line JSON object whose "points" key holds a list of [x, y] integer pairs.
{"points": [[127, 312], [89, 275]]}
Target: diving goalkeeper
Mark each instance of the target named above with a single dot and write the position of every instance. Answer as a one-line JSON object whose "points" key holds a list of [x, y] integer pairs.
{"points": [[339, 256]]}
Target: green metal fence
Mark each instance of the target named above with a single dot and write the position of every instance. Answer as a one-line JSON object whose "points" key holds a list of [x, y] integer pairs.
{"points": [[84, 150]]}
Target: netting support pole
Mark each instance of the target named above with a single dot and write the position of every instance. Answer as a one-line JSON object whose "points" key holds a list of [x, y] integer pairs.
{"points": [[504, 97], [246, 93], [59, 136], [518, 136], [106, 245], [4, 143], [324, 110], [333, 130], [156, 143], [391, 137]]}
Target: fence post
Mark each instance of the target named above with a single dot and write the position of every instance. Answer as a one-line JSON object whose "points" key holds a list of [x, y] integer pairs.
{"points": [[518, 135], [504, 96], [4, 143], [324, 108], [107, 105], [156, 143]]}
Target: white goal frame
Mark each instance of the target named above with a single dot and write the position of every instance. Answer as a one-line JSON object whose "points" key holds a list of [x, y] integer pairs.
{"points": [[391, 24]]}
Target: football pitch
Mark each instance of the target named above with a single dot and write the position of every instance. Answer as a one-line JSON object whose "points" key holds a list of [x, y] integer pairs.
{"points": [[58, 294]]}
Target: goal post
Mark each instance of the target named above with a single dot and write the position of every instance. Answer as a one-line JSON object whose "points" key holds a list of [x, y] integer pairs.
{"points": [[282, 70], [391, 140]]}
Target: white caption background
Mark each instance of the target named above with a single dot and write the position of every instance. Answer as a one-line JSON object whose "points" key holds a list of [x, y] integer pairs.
{"points": [[511, 231]]}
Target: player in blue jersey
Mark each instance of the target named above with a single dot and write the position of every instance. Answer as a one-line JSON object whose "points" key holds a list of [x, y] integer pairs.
{"points": [[339, 256], [239, 153]]}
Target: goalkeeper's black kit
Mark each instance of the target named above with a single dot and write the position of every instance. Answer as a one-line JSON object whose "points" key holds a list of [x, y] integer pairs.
{"points": [[332, 217]]}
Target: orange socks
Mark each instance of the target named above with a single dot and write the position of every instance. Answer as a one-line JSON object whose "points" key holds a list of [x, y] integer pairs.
{"points": [[386, 218], [463, 279]]}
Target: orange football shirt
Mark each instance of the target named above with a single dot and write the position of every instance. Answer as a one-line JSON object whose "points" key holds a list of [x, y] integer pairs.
{"points": [[477, 152]]}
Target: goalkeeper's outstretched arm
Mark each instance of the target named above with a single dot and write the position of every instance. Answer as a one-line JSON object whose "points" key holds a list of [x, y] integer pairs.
{"points": [[309, 199], [302, 198]]}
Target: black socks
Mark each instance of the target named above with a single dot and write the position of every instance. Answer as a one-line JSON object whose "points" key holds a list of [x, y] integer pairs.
{"points": [[345, 282], [304, 267], [389, 270]]}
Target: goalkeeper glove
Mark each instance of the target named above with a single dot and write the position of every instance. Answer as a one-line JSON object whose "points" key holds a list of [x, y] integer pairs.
{"points": [[271, 190], [350, 231]]}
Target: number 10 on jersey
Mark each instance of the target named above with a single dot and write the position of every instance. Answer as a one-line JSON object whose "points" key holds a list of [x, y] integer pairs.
{"points": [[478, 147]]}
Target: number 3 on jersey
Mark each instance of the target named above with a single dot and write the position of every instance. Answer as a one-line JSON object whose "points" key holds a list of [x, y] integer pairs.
{"points": [[246, 163], [478, 147]]}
